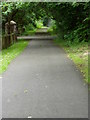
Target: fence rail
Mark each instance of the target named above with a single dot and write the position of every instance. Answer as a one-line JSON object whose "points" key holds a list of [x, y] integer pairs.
{"points": [[8, 40]]}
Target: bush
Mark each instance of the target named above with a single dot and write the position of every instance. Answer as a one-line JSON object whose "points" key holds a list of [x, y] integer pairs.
{"points": [[29, 30], [39, 24]]}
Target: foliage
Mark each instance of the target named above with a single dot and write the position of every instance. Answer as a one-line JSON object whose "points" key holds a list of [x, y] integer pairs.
{"points": [[22, 13], [45, 21], [39, 24], [7, 55], [71, 18], [28, 30], [52, 27]]}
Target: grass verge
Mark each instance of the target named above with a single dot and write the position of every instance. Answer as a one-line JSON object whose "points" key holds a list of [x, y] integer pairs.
{"points": [[29, 32], [7, 55], [79, 54]]}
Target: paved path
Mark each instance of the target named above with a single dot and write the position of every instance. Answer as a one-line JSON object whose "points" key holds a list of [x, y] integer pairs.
{"points": [[42, 82]]}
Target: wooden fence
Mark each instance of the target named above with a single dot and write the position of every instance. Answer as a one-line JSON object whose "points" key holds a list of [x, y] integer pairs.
{"points": [[8, 40]]}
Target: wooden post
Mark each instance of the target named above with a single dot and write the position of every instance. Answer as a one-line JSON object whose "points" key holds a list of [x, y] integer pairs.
{"points": [[10, 33]]}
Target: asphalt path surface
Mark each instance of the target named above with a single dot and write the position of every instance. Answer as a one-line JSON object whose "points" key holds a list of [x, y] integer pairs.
{"points": [[43, 83]]}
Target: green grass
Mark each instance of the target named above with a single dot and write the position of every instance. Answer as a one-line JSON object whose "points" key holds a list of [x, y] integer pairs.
{"points": [[79, 54], [52, 30], [29, 32], [7, 55]]}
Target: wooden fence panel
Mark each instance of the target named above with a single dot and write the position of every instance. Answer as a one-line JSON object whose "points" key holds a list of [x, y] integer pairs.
{"points": [[8, 40]]}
